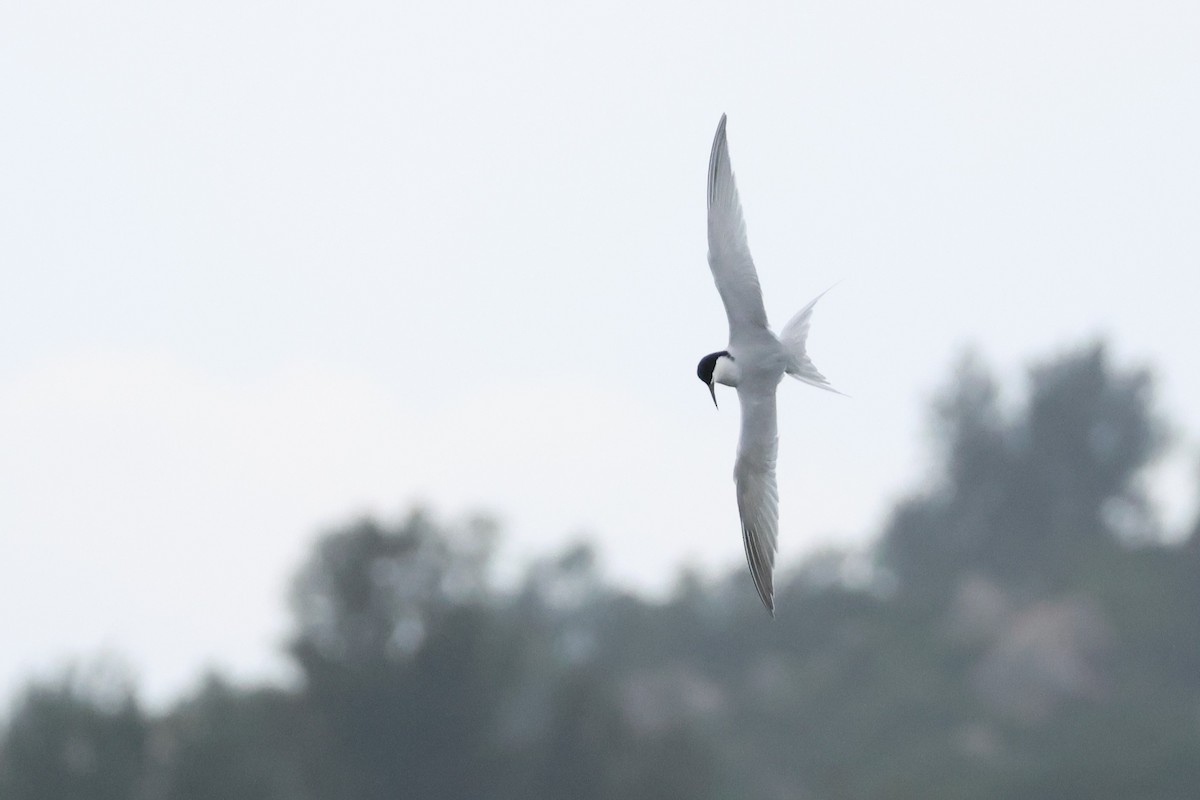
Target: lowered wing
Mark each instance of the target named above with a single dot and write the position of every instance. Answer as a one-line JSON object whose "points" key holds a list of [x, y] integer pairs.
{"points": [[757, 494]]}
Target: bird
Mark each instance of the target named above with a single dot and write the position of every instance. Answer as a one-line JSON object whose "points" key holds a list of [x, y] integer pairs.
{"points": [[754, 362]]}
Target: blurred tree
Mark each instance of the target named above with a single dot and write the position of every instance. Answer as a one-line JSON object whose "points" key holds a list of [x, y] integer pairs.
{"points": [[230, 744], [1021, 630], [1023, 499], [368, 594], [402, 667], [82, 736]]}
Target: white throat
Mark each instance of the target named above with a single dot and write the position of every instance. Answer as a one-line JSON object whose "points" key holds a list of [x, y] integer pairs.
{"points": [[726, 371]]}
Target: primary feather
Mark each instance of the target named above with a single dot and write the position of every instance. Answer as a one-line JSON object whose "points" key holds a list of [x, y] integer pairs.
{"points": [[728, 252], [757, 494]]}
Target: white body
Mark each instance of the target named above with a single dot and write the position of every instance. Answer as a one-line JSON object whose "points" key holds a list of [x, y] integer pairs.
{"points": [[757, 363]]}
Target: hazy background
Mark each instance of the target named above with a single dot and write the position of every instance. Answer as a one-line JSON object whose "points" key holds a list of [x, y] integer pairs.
{"points": [[269, 266]]}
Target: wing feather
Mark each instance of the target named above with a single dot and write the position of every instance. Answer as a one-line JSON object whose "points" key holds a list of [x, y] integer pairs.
{"points": [[728, 251], [757, 493]]}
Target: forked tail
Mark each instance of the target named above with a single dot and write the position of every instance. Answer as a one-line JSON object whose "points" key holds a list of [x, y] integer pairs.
{"points": [[793, 338]]}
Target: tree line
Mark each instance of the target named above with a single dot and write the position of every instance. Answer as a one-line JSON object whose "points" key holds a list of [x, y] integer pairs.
{"points": [[1022, 627]]}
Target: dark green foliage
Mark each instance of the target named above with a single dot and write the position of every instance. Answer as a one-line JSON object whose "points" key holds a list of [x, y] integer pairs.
{"points": [[1025, 498], [81, 736], [1021, 630], [230, 743]]}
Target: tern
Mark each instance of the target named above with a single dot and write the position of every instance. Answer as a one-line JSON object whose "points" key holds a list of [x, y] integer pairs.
{"points": [[754, 363]]}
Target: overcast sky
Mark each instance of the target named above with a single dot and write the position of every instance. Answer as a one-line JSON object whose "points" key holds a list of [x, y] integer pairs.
{"points": [[269, 266]]}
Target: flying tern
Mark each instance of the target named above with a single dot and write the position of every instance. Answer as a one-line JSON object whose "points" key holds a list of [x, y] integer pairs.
{"points": [[754, 363]]}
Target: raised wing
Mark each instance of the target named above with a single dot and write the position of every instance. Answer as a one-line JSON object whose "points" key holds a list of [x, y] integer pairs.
{"points": [[757, 494], [728, 252]]}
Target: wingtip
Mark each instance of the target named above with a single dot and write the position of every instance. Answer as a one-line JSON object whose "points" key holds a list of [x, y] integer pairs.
{"points": [[714, 160], [720, 134]]}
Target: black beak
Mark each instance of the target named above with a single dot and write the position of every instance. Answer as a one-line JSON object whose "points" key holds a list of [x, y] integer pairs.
{"points": [[712, 389]]}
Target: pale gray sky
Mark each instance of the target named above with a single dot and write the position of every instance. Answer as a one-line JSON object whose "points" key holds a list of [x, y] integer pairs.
{"points": [[268, 266]]}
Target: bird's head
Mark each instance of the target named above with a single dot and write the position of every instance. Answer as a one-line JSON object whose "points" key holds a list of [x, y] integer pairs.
{"points": [[709, 369]]}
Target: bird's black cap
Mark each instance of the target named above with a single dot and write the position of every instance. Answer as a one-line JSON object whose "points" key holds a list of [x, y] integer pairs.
{"points": [[704, 370]]}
